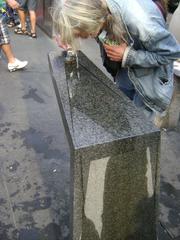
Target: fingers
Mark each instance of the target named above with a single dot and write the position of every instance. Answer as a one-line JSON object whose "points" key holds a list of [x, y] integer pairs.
{"points": [[60, 43], [115, 59], [115, 52], [113, 55], [115, 46]]}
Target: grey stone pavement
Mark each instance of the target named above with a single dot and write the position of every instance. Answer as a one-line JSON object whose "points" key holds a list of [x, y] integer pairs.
{"points": [[34, 152]]}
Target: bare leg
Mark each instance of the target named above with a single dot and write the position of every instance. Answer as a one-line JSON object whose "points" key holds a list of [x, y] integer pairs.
{"points": [[13, 63], [32, 15], [8, 52], [22, 17]]}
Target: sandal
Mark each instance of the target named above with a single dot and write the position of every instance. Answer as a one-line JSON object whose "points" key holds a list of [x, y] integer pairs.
{"points": [[20, 31], [11, 24], [33, 35]]}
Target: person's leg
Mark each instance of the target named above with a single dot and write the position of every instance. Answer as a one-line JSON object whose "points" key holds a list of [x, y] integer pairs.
{"points": [[32, 15], [5, 41], [10, 13], [22, 29], [22, 18], [32, 6], [13, 63], [8, 52], [124, 84]]}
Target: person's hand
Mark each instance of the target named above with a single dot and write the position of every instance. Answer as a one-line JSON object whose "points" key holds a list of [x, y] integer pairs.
{"points": [[13, 4], [115, 52], [61, 44]]}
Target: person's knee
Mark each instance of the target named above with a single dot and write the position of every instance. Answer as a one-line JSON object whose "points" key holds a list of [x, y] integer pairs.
{"points": [[32, 14]]}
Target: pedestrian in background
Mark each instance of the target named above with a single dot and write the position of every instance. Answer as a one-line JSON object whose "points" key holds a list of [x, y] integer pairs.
{"points": [[13, 63], [134, 38], [11, 16], [27, 7]]}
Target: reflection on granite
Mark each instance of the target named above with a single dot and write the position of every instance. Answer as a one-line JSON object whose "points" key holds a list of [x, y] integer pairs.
{"points": [[94, 109], [115, 154]]}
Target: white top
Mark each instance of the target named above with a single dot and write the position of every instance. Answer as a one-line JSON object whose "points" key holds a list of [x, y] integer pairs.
{"points": [[177, 68]]}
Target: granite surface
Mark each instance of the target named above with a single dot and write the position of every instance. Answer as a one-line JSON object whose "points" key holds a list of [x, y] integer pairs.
{"points": [[96, 112], [114, 155], [120, 206]]}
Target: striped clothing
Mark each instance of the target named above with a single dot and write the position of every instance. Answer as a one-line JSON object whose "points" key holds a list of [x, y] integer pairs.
{"points": [[4, 35]]}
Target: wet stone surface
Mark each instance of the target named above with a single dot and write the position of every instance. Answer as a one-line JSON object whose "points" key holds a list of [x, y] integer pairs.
{"points": [[92, 104], [34, 155], [114, 155], [29, 120]]}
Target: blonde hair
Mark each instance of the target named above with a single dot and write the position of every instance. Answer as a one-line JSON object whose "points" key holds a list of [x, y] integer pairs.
{"points": [[83, 15]]}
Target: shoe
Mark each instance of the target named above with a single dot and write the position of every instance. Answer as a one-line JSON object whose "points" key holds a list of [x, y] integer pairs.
{"points": [[33, 35], [12, 67], [11, 24], [21, 31]]}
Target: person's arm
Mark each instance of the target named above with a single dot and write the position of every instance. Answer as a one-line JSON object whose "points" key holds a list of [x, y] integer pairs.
{"points": [[161, 50], [159, 46], [115, 52], [12, 3]]}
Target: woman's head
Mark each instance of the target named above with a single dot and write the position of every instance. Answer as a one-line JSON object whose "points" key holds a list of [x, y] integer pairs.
{"points": [[79, 18]]}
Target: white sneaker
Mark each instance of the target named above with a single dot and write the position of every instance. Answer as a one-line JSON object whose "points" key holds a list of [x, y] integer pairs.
{"points": [[17, 65]]}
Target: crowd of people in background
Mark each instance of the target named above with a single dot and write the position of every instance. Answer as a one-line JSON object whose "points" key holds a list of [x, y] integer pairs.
{"points": [[20, 14]]}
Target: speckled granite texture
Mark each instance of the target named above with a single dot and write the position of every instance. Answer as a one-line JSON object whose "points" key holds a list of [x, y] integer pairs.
{"points": [[114, 152]]}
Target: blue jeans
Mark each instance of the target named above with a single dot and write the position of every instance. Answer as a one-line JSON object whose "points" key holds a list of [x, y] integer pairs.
{"points": [[126, 86]]}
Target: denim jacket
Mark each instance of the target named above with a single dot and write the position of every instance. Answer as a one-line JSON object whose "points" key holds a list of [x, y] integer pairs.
{"points": [[151, 51]]}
